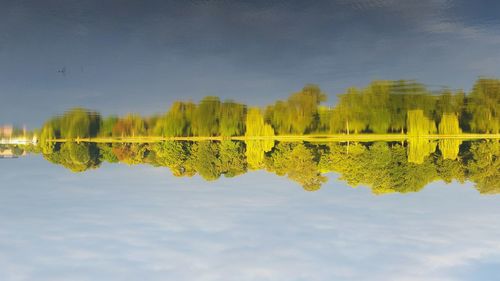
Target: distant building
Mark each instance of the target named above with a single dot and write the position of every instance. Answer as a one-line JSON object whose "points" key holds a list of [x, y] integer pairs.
{"points": [[7, 154], [6, 131]]}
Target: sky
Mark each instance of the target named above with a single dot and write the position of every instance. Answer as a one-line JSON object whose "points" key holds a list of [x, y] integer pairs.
{"points": [[139, 56], [141, 223]]}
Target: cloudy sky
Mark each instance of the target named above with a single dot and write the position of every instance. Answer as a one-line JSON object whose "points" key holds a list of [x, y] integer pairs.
{"points": [[139, 56], [141, 223]]}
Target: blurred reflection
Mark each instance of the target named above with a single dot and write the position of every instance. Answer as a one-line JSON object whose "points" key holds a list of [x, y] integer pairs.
{"points": [[383, 108], [214, 138]]}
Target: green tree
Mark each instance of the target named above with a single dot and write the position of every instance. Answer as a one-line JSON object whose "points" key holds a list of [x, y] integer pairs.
{"points": [[418, 124], [174, 123], [484, 106], [255, 125], [232, 119], [206, 161], [206, 117], [130, 126], [232, 158], [484, 166], [174, 155], [348, 115]]}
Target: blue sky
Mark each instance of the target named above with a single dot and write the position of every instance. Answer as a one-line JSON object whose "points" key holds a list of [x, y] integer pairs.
{"points": [[130, 223], [130, 56]]}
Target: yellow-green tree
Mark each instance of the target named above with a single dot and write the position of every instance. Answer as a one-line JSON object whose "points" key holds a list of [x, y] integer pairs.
{"points": [[484, 106], [232, 119], [418, 124], [255, 125]]}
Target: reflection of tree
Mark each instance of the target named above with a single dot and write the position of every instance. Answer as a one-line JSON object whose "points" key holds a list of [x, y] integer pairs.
{"points": [[299, 113], [485, 106], [175, 122], [449, 125], [206, 117], [232, 121], [418, 124], [256, 127], [75, 123], [130, 126], [381, 107], [347, 116], [255, 149]]}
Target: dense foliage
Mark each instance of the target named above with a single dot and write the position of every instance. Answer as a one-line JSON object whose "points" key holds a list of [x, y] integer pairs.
{"points": [[382, 107], [385, 167]]}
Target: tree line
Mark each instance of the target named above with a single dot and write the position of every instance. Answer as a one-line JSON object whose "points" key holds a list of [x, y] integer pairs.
{"points": [[385, 167], [382, 107]]}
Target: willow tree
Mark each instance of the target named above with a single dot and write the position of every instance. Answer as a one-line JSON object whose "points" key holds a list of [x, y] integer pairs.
{"points": [[376, 103], [255, 125], [418, 124], [256, 128], [348, 115], [449, 125], [419, 149], [450, 148], [232, 119], [206, 117]]}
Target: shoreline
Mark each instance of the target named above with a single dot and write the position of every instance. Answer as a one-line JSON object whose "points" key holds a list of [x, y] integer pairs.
{"points": [[290, 138]]}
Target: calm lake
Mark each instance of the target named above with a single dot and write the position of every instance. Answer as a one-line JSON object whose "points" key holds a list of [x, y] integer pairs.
{"points": [[250, 140]]}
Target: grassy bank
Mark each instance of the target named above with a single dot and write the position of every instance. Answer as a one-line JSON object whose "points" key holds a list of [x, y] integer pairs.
{"points": [[291, 138]]}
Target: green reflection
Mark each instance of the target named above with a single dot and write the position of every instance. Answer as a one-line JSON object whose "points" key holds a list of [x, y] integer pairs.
{"points": [[393, 136], [385, 108]]}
